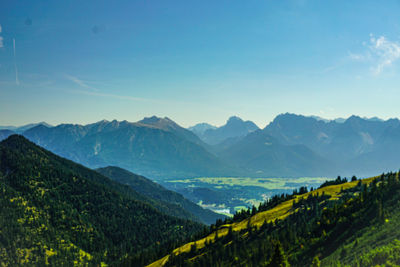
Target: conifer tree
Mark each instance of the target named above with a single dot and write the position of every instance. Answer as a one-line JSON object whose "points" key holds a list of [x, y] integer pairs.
{"points": [[316, 262], [278, 258]]}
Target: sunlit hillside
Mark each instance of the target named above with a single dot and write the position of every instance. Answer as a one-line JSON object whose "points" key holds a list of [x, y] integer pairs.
{"points": [[279, 212]]}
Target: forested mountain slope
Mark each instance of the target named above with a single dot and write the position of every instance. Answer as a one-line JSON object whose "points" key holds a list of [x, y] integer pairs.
{"points": [[155, 191], [54, 211], [342, 223]]}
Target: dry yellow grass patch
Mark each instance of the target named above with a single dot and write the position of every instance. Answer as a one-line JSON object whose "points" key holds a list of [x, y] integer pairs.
{"points": [[280, 212]]}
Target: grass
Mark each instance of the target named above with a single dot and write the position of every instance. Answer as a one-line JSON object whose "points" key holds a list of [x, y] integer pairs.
{"points": [[281, 211], [267, 183]]}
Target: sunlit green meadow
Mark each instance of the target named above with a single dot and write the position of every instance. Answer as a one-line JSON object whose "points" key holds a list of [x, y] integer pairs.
{"points": [[267, 183]]}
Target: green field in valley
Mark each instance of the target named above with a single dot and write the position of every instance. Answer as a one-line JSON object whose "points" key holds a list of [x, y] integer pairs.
{"points": [[267, 183], [229, 194]]}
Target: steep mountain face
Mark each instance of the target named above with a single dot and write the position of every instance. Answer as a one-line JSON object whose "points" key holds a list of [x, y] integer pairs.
{"points": [[264, 155], [353, 144], [54, 211], [154, 147], [234, 127], [155, 191], [167, 124], [357, 136], [383, 155], [60, 140], [294, 129]]}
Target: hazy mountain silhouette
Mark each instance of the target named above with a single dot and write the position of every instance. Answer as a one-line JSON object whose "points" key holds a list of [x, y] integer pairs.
{"points": [[153, 147], [20, 129], [264, 155], [354, 144], [5, 133], [234, 127], [200, 128]]}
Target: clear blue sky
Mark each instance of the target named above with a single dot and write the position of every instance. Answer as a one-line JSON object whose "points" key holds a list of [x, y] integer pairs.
{"points": [[197, 61]]}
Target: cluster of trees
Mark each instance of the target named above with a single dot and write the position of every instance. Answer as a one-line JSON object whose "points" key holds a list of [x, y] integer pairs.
{"points": [[387, 255], [315, 234], [164, 200], [267, 205], [338, 180], [57, 212]]}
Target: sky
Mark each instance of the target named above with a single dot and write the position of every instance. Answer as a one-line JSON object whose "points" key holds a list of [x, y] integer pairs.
{"points": [[197, 61]]}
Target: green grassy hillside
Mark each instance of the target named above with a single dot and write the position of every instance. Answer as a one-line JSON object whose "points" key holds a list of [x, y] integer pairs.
{"points": [[347, 224]]}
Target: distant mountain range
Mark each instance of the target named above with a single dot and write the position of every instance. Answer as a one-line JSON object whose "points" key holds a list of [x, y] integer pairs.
{"points": [[291, 145], [296, 145], [5, 133], [263, 155], [235, 127], [356, 146], [200, 128], [21, 129], [155, 147]]}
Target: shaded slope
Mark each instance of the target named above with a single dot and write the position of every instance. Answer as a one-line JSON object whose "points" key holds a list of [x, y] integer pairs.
{"points": [[156, 191], [264, 155], [142, 148], [5, 133], [384, 155], [59, 212], [356, 145]]}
